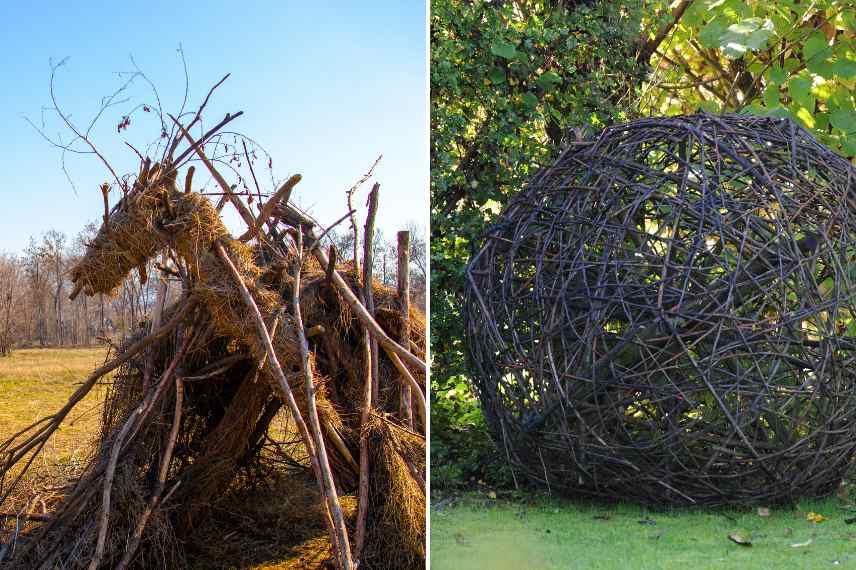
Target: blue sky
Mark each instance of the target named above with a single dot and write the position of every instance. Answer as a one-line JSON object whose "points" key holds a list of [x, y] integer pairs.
{"points": [[325, 87]]}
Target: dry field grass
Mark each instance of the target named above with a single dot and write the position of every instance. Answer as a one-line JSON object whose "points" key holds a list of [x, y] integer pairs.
{"points": [[263, 529], [36, 382]]}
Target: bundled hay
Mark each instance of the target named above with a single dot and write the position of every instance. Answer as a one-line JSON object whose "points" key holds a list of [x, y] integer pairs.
{"points": [[261, 327], [398, 495]]}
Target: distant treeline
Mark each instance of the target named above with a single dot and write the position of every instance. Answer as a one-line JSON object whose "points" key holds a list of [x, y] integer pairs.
{"points": [[35, 309]]}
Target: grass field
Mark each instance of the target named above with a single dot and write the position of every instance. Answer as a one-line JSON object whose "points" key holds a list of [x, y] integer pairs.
{"points": [[478, 532], [37, 382], [275, 528]]}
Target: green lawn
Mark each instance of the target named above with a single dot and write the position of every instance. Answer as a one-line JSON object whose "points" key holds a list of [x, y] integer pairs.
{"points": [[478, 532]]}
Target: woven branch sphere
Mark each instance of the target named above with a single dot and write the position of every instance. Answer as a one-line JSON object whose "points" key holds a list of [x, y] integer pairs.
{"points": [[665, 315]]}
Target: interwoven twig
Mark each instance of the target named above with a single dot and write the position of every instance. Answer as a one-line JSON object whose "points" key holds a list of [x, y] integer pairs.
{"points": [[665, 315]]}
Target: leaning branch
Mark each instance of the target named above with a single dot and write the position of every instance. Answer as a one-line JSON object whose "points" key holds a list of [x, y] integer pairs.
{"points": [[282, 382], [651, 45]]}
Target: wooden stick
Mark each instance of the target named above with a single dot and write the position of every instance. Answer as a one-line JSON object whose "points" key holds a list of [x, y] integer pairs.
{"points": [[281, 195], [351, 299], [332, 265], [344, 554], [363, 501], [406, 400], [188, 180], [282, 383], [108, 487], [142, 410], [239, 205], [368, 287], [407, 378], [154, 502], [105, 190]]}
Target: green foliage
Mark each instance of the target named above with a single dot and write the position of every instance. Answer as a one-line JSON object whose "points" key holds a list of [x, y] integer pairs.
{"points": [[461, 450], [784, 58], [511, 82]]}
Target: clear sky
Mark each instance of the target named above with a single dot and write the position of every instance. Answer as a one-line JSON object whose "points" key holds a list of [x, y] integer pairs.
{"points": [[325, 87]]}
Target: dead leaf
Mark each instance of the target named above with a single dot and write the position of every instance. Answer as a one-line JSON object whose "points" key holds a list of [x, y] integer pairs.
{"points": [[815, 517], [802, 544], [741, 537], [491, 494], [763, 511]]}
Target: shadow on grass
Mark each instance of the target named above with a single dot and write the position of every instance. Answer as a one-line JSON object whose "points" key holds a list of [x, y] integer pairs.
{"points": [[276, 527]]}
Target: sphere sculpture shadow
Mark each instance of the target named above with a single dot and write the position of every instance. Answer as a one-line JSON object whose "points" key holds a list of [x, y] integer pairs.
{"points": [[666, 315]]}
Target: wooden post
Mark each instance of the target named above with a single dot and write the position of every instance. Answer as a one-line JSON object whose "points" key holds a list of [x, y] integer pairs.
{"points": [[406, 401], [368, 289], [370, 352]]}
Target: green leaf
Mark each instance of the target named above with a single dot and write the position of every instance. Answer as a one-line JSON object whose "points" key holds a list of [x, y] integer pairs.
{"points": [[530, 100], [771, 96], [778, 75], [799, 88], [503, 49], [844, 68], [496, 76], [844, 119], [548, 80], [709, 35], [816, 48], [750, 34]]}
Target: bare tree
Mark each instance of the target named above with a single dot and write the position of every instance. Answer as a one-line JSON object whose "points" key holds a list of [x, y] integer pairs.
{"points": [[53, 247], [10, 275]]}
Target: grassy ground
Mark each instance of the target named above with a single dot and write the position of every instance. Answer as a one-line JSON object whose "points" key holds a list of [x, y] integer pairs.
{"points": [[479, 532], [274, 528], [37, 382]]}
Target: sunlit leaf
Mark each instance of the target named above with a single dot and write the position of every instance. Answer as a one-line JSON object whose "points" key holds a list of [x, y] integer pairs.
{"points": [[503, 49], [844, 119], [799, 89], [749, 34]]}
